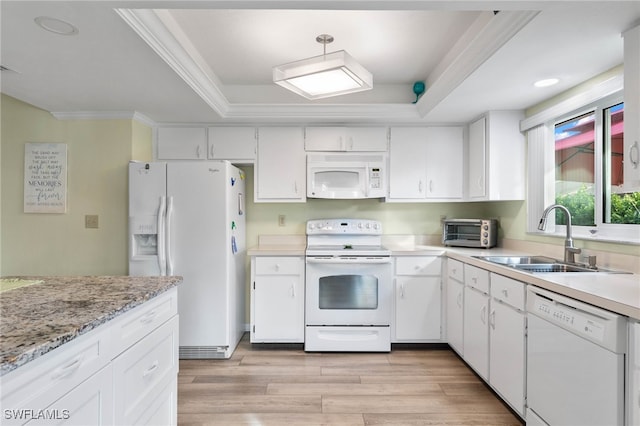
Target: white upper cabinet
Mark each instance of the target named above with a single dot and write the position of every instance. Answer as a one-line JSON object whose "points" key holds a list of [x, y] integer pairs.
{"points": [[232, 143], [425, 163], [496, 157], [280, 174], [632, 109], [181, 143], [346, 139]]}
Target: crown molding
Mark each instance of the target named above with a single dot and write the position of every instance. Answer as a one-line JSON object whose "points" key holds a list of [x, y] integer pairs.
{"points": [[105, 115], [334, 112], [154, 29]]}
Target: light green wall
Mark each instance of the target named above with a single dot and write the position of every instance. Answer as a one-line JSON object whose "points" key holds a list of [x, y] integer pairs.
{"points": [[98, 152]]}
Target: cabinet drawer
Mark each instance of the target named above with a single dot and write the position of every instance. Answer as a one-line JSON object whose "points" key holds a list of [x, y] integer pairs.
{"points": [[140, 321], [38, 384], [140, 373], [278, 265], [418, 265], [477, 278], [455, 270], [508, 290]]}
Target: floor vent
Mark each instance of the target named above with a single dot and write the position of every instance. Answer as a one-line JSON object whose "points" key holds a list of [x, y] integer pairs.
{"points": [[202, 352]]}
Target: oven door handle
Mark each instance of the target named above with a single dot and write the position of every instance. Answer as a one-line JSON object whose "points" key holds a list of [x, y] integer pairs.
{"points": [[346, 260]]}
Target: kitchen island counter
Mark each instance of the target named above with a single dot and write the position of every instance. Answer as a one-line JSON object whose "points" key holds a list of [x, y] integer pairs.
{"points": [[51, 311]]}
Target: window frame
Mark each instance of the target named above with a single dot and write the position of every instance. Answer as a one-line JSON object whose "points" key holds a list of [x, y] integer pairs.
{"points": [[541, 165]]}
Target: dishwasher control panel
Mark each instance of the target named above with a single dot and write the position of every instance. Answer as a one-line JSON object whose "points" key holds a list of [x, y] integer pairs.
{"points": [[578, 322], [602, 327]]}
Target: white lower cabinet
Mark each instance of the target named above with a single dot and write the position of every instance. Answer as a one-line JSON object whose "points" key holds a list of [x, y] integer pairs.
{"points": [[493, 328], [418, 299], [476, 331], [455, 305], [277, 299], [123, 372], [507, 340]]}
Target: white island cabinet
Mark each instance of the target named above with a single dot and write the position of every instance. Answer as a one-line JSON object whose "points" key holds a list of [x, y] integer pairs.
{"points": [[277, 299], [122, 372]]}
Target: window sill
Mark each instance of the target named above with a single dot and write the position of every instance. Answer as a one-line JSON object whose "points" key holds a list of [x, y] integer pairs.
{"points": [[599, 236]]}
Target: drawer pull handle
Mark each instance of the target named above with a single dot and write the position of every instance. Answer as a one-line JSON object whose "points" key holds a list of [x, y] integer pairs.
{"points": [[151, 369], [147, 318], [67, 370], [505, 292]]}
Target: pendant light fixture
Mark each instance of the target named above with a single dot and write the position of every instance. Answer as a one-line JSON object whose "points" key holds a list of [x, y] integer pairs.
{"points": [[324, 76]]}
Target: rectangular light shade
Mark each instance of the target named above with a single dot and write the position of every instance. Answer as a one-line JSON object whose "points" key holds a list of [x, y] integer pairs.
{"points": [[324, 76]]}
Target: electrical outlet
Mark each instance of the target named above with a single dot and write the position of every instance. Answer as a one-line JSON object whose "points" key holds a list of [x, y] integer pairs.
{"points": [[281, 220], [91, 221]]}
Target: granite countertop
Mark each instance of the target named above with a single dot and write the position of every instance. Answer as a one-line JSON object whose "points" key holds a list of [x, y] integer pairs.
{"points": [[50, 311]]}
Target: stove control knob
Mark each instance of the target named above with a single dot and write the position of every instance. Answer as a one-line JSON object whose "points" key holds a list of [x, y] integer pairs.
{"points": [[375, 226], [311, 226], [368, 225], [359, 225]]}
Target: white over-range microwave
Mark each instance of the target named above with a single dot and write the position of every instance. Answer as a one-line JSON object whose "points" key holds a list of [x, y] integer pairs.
{"points": [[346, 175]]}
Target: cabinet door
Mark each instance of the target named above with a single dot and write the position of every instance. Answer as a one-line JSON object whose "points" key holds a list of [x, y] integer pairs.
{"points": [[90, 403], [278, 308], [346, 139], [232, 143], [507, 353], [455, 299], [444, 162], [366, 139], [182, 143], [476, 331], [418, 304], [141, 373], [408, 163], [281, 165], [325, 139], [632, 109], [477, 159]]}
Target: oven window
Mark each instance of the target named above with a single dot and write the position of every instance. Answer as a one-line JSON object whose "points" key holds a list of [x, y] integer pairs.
{"points": [[349, 292], [463, 232]]}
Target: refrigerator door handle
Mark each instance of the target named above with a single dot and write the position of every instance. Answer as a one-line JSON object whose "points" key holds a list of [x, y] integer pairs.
{"points": [[168, 236], [162, 212]]}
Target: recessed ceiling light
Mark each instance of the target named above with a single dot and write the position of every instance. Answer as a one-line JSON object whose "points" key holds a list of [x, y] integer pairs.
{"points": [[546, 82], [55, 25]]}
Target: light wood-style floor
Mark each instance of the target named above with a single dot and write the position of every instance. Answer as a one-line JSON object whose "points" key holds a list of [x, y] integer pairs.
{"points": [[283, 386]]}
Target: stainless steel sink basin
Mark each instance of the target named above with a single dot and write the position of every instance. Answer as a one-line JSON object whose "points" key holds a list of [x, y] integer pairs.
{"points": [[542, 264], [517, 260]]}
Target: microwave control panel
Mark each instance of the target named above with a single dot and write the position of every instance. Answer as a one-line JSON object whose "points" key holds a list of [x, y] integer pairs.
{"points": [[375, 178]]}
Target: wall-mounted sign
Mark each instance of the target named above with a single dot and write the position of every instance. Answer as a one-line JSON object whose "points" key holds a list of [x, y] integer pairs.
{"points": [[45, 178]]}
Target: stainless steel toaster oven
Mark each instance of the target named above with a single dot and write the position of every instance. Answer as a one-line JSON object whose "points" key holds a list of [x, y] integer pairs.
{"points": [[481, 233]]}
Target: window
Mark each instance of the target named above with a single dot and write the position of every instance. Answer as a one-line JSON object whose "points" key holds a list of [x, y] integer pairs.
{"points": [[577, 160]]}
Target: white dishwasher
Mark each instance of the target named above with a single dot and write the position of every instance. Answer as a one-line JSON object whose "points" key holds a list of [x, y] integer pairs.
{"points": [[575, 362]]}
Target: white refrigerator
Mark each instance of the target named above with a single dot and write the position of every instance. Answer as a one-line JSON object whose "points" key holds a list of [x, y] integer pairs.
{"points": [[187, 219]]}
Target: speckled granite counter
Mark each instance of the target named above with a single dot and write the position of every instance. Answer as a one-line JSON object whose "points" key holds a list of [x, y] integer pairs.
{"points": [[38, 318]]}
